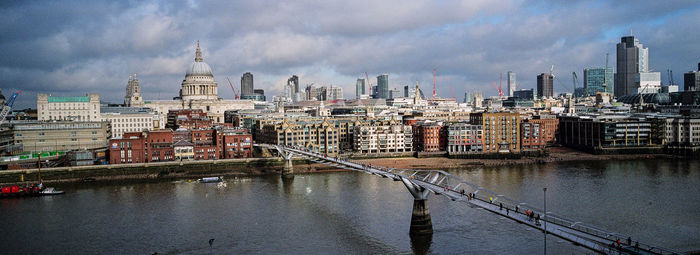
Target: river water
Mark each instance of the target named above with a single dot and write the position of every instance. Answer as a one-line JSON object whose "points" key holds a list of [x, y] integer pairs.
{"points": [[656, 201]]}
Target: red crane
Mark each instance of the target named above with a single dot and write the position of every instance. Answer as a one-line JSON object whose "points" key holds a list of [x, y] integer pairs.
{"points": [[235, 93], [500, 91], [434, 94]]}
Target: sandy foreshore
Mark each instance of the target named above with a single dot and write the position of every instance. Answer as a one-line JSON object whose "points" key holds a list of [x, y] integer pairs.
{"points": [[556, 154]]}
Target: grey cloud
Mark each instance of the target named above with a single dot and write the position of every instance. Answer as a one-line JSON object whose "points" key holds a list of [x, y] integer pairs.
{"points": [[76, 47]]}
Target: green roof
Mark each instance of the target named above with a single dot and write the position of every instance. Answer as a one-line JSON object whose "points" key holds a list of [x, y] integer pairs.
{"points": [[68, 99]]}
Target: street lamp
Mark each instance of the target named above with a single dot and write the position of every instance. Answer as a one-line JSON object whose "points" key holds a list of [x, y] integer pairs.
{"points": [[545, 220]]}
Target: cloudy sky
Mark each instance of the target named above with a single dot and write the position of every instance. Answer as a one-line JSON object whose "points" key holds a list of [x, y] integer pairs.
{"points": [[78, 47]]}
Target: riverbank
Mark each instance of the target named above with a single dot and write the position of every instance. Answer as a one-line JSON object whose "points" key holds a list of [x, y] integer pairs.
{"points": [[556, 154], [274, 165], [159, 170]]}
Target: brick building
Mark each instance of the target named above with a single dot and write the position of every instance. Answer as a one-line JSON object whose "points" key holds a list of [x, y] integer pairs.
{"points": [[501, 130], [429, 136], [142, 147], [537, 133], [188, 119]]}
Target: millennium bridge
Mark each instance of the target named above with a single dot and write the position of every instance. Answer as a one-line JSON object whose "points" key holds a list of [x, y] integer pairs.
{"points": [[420, 183]]}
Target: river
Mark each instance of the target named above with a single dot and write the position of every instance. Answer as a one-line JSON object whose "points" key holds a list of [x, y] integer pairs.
{"points": [[656, 201]]}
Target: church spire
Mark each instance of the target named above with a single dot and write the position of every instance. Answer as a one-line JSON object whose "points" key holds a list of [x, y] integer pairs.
{"points": [[198, 54]]}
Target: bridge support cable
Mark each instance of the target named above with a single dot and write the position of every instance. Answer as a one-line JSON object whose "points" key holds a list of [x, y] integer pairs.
{"points": [[421, 182]]}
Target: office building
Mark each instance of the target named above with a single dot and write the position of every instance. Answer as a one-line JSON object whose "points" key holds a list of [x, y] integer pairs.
{"points": [[129, 119], [632, 59], [81, 108], [525, 94], [335, 93], [359, 88], [598, 79], [39, 136], [511, 83], [247, 84], [691, 80], [545, 85], [382, 86]]}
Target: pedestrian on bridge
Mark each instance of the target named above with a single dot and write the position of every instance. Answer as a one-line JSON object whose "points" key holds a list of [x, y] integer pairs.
{"points": [[629, 240], [500, 207], [491, 200], [516, 208], [507, 210]]}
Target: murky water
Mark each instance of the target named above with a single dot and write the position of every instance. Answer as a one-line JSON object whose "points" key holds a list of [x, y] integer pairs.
{"points": [[349, 212]]}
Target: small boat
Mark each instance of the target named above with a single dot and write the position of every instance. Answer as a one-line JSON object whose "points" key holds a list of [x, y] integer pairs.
{"points": [[50, 191], [211, 179]]}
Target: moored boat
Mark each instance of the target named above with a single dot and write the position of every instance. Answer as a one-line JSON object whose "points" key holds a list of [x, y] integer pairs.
{"points": [[211, 179]]}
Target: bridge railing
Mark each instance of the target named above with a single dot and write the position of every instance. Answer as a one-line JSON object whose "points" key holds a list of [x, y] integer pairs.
{"points": [[449, 183]]}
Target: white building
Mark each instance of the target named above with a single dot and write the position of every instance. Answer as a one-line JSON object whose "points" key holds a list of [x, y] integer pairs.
{"points": [[130, 119], [383, 138], [81, 108]]}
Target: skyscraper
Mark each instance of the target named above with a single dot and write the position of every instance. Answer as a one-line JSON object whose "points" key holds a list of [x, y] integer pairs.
{"points": [[359, 88], [595, 77], [511, 83], [691, 80], [293, 82], [632, 59], [247, 84], [545, 85], [383, 86]]}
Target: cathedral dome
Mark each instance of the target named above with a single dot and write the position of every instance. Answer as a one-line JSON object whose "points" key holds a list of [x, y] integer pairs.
{"points": [[199, 67]]}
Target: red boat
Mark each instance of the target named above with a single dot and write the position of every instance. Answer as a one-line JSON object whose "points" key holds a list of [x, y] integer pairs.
{"points": [[21, 191]]}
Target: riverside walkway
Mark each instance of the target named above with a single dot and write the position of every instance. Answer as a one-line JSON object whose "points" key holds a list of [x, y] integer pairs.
{"points": [[422, 182]]}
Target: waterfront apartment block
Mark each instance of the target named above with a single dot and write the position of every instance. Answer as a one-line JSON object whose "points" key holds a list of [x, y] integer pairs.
{"points": [[383, 137], [38, 136], [463, 137], [501, 131], [429, 136], [80, 108], [538, 132], [320, 136]]}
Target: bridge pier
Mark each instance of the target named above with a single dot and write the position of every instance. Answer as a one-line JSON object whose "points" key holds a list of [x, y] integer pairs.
{"points": [[288, 170], [421, 224]]}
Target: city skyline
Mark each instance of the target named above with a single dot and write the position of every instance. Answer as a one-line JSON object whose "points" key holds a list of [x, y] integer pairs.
{"points": [[62, 54]]}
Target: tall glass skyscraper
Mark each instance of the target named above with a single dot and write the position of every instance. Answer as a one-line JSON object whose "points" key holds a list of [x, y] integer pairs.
{"points": [[511, 83], [383, 86], [595, 77], [359, 88]]}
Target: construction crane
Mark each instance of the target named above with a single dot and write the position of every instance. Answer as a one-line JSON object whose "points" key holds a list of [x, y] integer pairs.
{"points": [[7, 107], [670, 77], [500, 91], [235, 93]]}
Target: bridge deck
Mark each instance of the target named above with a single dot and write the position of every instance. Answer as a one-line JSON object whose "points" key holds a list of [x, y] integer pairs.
{"points": [[442, 183]]}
